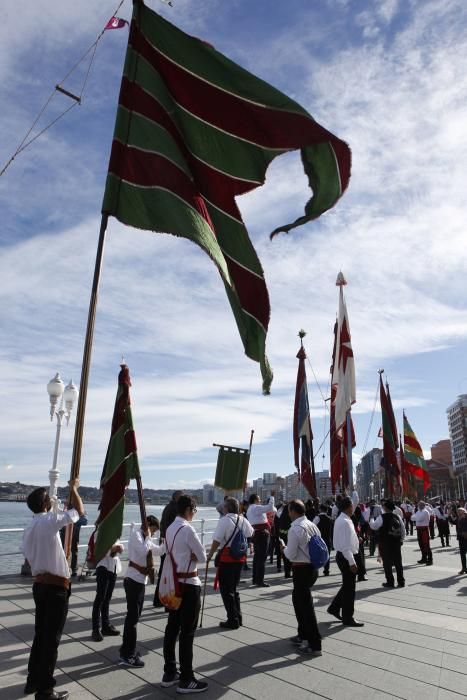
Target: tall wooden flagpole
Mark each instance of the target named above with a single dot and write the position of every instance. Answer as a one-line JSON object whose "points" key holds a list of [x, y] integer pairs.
{"points": [[83, 387]]}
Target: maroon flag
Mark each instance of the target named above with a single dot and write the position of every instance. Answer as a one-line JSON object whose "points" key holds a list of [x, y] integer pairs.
{"points": [[115, 23], [339, 464], [302, 434], [390, 438]]}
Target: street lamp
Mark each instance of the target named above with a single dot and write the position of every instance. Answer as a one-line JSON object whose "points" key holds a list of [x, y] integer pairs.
{"points": [[60, 396], [372, 488]]}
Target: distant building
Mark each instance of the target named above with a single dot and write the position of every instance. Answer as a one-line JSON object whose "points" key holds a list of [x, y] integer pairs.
{"points": [[441, 452], [457, 422], [324, 485], [368, 467]]}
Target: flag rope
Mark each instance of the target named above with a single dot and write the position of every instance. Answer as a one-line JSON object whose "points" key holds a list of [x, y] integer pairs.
{"points": [[24, 143]]}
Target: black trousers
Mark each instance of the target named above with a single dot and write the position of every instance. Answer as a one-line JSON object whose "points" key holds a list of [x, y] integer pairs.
{"points": [[261, 545], [51, 612], [432, 528], [408, 524], [182, 624], [134, 592], [391, 554], [303, 579], [105, 583], [444, 531], [229, 578], [372, 542], [328, 564], [345, 598], [462, 552], [360, 562]]}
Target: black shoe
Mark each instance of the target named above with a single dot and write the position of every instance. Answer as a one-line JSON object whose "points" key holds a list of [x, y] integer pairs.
{"points": [[386, 584], [229, 625], [135, 661], [334, 613], [192, 686], [264, 585], [353, 623], [110, 631], [401, 584], [54, 695], [325, 573], [97, 636], [29, 688], [429, 563], [362, 578], [170, 679], [421, 561], [287, 575], [297, 640]]}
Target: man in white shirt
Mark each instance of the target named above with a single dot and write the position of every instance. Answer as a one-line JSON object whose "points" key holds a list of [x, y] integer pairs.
{"points": [[187, 550], [346, 544], [134, 583], [43, 549], [304, 576], [374, 511], [106, 575], [431, 525], [421, 518], [257, 516], [230, 568]]}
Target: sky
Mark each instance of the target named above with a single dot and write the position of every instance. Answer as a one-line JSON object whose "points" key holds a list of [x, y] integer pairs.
{"points": [[390, 78]]}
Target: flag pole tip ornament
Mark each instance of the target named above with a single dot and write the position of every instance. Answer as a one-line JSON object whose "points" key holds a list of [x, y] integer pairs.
{"points": [[341, 281], [193, 131]]}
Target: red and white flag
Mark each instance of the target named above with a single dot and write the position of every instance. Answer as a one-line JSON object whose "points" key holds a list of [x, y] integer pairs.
{"points": [[343, 376], [115, 23]]}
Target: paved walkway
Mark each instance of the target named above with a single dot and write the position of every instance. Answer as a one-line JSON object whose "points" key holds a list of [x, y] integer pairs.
{"points": [[413, 645]]}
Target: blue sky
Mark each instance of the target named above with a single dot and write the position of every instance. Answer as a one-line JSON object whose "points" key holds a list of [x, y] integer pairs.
{"points": [[388, 77]]}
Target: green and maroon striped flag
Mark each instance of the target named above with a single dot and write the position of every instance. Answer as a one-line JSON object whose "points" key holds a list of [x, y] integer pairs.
{"points": [[193, 131], [121, 465], [413, 456]]}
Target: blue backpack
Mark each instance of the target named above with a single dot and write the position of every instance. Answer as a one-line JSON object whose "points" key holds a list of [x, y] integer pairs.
{"points": [[318, 552], [238, 545]]}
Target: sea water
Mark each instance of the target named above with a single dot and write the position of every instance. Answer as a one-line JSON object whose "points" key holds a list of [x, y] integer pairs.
{"points": [[17, 515]]}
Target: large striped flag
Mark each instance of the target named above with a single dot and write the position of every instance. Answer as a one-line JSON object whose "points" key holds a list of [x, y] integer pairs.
{"points": [[414, 461], [121, 465], [193, 131], [390, 438], [302, 433]]}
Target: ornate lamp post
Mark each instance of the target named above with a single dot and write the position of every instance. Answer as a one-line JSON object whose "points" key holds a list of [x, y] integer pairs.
{"points": [[62, 399]]}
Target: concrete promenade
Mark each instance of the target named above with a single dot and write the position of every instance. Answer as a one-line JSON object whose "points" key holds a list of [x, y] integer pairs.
{"points": [[413, 644]]}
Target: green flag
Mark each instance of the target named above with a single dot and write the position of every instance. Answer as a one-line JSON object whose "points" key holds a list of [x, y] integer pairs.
{"points": [[193, 131], [232, 468]]}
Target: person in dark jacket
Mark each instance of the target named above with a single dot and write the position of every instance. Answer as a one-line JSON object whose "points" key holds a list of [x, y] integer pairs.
{"points": [[391, 531], [168, 516], [461, 530], [283, 523], [324, 524]]}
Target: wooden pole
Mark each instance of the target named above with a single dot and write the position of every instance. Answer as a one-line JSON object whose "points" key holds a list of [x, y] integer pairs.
{"points": [[83, 388], [248, 465]]}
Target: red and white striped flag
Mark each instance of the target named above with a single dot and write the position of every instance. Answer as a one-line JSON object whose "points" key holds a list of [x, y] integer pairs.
{"points": [[343, 376]]}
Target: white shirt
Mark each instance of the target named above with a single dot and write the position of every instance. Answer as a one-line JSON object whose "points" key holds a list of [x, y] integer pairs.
{"points": [[300, 533], [138, 548], [439, 515], [398, 512], [429, 508], [376, 523], [345, 538], [256, 513], [42, 545], [186, 543], [112, 563], [226, 526], [334, 512], [421, 518]]}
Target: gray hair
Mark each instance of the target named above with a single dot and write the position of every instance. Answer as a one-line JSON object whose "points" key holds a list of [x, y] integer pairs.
{"points": [[231, 505]]}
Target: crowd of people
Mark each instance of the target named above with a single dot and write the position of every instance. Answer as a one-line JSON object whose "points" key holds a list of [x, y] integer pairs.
{"points": [[284, 532]]}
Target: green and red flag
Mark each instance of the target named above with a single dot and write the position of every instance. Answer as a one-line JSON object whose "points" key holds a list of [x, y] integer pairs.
{"points": [[414, 460], [121, 465], [390, 438], [193, 131]]}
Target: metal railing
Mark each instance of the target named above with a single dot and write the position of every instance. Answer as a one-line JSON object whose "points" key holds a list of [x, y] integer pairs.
{"points": [[201, 526]]}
